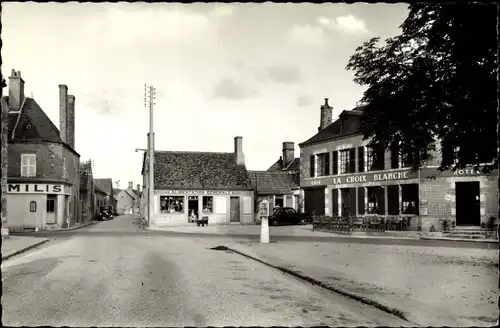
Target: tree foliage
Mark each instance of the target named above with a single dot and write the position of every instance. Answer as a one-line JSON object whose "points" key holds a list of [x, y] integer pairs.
{"points": [[434, 86]]}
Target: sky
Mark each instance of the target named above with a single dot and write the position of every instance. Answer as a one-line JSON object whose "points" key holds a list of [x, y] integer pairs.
{"points": [[260, 71]]}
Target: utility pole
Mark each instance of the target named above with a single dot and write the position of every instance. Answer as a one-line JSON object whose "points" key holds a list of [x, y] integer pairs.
{"points": [[149, 101], [4, 163]]}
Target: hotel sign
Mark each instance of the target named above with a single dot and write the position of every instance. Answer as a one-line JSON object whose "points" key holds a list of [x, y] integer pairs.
{"points": [[27, 188], [202, 192], [360, 178]]}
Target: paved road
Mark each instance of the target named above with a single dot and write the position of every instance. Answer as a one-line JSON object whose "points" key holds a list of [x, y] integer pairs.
{"points": [[113, 274]]}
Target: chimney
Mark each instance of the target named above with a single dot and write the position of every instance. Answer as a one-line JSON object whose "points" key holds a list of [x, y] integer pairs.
{"points": [[70, 116], [63, 112], [138, 188], [130, 185], [288, 153], [326, 115], [16, 90], [238, 151]]}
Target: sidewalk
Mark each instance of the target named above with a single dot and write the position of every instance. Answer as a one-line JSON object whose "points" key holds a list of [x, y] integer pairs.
{"points": [[427, 285], [75, 227], [16, 244], [302, 231]]}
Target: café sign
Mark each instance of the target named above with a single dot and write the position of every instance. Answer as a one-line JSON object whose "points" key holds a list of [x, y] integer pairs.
{"points": [[360, 178], [28, 188]]}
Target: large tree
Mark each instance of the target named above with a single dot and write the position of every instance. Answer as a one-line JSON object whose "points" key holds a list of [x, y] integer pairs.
{"points": [[435, 84]]}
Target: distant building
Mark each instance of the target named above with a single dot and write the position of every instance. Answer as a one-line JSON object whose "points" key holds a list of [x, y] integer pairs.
{"points": [[104, 193], [197, 184], [128, 200], [87, 192], [43, 165], [342, 176], [279, 185]]}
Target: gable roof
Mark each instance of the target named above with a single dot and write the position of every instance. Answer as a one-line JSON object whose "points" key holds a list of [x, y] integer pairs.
{"points": [[294, 166], [31, 123], [132, 195], [199, 170], [333, 131], [106, 185], [98, 189], [116, 191], [265, 182]]}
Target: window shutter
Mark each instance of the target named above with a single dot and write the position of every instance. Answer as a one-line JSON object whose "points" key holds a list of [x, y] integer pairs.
{"points": [[335, 202], [361, 159], [352, 160], [352, 201], [361, 200], [335, 162], [381, 200], [380, 164]]}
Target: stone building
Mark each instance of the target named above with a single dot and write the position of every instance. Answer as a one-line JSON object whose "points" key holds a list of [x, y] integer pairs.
{"points": [[197, 184], [342, 176], [43, 165]]}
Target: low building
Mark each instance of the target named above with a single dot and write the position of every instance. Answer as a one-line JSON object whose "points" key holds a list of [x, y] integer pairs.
{"points": [[128, 200], [105, 186], [344, 177], [101, 199], [279, 185], [43, 166], [197, 184]]}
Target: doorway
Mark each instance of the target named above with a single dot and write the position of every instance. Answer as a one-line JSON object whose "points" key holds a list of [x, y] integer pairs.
{"points": [[468, 210], [192, 208], [51, 209], [234, 209], [278, 201]]}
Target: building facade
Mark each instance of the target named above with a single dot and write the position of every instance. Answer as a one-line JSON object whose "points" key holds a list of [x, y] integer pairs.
{"points": [[189, 185], [128, 200], [342, 176], [43, 166], [87, 192], [104, 194], [279, 184]]}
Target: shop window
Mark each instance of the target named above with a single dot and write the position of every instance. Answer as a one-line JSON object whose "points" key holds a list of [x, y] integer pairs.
{"points": [[171, 204], [28, 165], [323, 164], [376, 201], [347, 161], [51, 205], [409, 195], [208, 202]]}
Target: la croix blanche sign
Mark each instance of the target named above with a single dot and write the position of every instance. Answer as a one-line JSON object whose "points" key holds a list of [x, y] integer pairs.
{"points": [[28, 188]]}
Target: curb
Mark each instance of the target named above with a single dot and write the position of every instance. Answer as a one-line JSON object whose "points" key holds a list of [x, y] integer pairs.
{"points": [[396, 312], [74, 228], [24, 250], [492, 241]]}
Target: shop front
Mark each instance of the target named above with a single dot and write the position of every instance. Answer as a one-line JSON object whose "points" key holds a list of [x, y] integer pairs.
{"points": [[462, 197], [38, 206], [183, 207]]}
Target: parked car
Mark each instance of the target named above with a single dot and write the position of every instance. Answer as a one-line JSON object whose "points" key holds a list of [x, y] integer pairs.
{"points": [[288, 215], [105, 213]]}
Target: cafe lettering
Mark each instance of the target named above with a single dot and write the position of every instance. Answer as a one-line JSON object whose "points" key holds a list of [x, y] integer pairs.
{"points": [[371, 177], [22, 188]]}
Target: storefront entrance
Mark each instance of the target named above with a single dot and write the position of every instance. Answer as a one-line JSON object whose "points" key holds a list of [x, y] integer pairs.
{"points": [[51, 208], [192, 208], [468, 210], [234, 209], [314, 199]]}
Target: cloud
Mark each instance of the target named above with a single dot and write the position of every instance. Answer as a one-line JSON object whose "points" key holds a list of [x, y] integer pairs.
{"points": [[283, 74], [304, 100], [347, 24], [230, 89], [308, 35]]}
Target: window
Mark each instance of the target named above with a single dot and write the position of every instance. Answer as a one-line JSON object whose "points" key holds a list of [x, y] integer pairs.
{"points": [[374, 159], [324, 164], [376, 200], [312, 166], [65, 171], [28, 165], [171, 204], [51, 205], [347, 161], [409, 195], [208, 202], [370, 157]]}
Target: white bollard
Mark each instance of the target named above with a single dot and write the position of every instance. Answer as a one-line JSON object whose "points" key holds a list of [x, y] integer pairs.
{"points": [[264, 230]]}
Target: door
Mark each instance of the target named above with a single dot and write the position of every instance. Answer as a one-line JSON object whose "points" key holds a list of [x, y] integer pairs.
{"points": [[51, 209], [234, 209], [468, 210]]}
